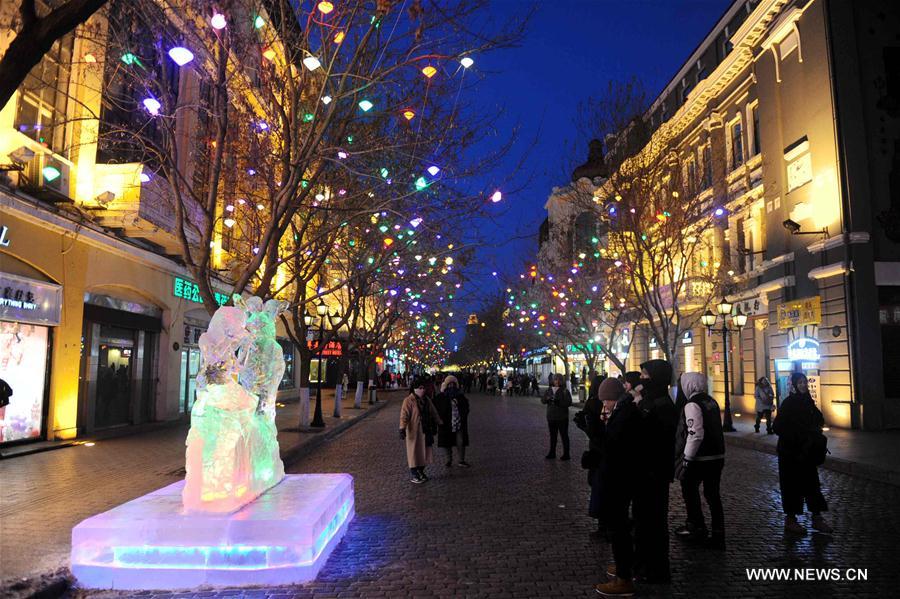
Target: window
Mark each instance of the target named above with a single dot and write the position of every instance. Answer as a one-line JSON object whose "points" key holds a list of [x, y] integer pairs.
{"points": [[754, 129], [43, 97], [737, 145], [707, 166], [690, 174]]}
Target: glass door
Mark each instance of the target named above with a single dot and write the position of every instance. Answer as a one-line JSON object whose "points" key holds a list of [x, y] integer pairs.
{"points": [[114, 376], [190, 365]]}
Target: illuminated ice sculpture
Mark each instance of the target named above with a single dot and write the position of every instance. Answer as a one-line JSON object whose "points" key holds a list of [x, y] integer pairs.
{"points": [[232, 447], [236, 519]]}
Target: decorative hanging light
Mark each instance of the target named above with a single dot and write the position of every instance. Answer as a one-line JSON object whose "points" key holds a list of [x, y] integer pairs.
{"points": [[312, 63], [433, 170], [51, 173], [269, 53], [145, 178], [409, 114], [259, 22], [228, 222], [218, 21], [152, 105], [326, 100], [181, 55], [90, 58], [466, 62], [421, 183], [429, 71], [365, 105], [325, 7], [339, 37], [497, 196]]}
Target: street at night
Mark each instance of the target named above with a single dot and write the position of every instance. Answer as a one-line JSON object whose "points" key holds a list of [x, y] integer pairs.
{"points": [[475, 298]]}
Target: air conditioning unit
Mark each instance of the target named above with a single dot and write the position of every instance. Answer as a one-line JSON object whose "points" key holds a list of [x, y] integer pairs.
{"points": [[46, 173]]}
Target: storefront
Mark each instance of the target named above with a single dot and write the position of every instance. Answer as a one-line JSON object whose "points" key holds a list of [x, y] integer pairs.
{"points": [[118, 362], [29, 311]]}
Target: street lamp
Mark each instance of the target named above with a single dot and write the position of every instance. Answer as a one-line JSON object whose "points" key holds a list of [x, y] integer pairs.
{"points": [[318, 421], [738, 320]]}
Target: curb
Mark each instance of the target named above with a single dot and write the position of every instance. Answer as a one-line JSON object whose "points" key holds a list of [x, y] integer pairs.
{"points": [[866, 471], [289, 455]]}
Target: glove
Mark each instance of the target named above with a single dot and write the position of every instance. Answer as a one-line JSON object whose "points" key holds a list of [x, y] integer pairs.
{"points": [[403, 433], [681, 469]]}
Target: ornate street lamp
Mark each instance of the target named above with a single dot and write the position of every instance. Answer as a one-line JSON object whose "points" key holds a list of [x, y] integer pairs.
{"points": [[738, 320]]}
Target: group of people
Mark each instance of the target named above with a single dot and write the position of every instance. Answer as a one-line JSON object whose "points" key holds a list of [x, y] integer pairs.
{"points": [[495, 383], [426, 415], [641, 440]]}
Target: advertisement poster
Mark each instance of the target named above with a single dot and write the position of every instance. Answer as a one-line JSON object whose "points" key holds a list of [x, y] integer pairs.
{"points": [[23, 364]]}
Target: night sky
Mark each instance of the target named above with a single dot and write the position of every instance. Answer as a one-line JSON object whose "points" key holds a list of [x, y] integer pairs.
{"points": [[572, 49]]}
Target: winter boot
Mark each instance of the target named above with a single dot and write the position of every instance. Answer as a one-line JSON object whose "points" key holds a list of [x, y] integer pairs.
{"points": [[615, 588], [819, 524], [791, 526]]}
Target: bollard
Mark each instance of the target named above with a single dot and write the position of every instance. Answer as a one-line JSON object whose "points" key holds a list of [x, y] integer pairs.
{"points": [[357, 400], [372, 396], [304, 407]]}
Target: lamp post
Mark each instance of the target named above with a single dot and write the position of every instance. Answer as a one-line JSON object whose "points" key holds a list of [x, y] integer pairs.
{"points": [[318, 421], [738, 320]]}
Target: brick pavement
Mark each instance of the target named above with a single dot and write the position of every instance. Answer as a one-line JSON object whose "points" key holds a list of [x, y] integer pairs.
{"points": [[514, 525], [43, 495]]}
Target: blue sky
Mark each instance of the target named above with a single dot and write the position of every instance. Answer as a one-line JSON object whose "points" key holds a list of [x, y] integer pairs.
{"points": [[572, 49]]}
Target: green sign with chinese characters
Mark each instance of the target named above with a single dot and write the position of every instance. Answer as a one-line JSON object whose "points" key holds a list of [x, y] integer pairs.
{"points": [[190, 291]]}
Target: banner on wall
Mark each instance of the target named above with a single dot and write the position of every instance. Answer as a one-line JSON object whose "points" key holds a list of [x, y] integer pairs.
{"points": [[27, 300]]}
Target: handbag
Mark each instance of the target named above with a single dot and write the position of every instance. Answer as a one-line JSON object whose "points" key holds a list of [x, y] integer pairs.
{"points": [[591, 459], [817, 448]]}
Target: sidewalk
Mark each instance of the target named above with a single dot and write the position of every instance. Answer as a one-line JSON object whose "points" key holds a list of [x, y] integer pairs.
{"points": [[45, 494], [869, 455]]}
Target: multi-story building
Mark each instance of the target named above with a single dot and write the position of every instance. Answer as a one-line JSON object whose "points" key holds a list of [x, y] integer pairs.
{"points": [[786, 116], [99, 319]]}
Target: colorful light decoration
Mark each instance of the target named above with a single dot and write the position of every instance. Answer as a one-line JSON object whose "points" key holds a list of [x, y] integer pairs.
{"points": [[365, 105], [719, 211], [312, 63], [152, 105], [342, 155], [496, 196], [228, 222], [181, 55], [409, 114], [51, 173], [259, 22], [325, 7], [388, 242], [339, 37], [326, 100], [415, 223], [429, 71], [145, 178], [218, 21], [130, 59], [269, 53], [466, 62], [421, 183], [90, 58], [433, 170]]}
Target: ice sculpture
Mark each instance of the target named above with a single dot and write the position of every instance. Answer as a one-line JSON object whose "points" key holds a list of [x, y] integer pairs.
{"points": [[232, 447]]}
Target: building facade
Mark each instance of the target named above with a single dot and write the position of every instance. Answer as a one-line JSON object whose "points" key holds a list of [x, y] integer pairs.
{"points": [[786, 118]]}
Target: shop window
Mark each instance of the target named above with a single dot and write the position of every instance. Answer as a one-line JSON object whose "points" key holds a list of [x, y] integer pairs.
{"points": [[43, 97], [287, 348], [23, 365]]}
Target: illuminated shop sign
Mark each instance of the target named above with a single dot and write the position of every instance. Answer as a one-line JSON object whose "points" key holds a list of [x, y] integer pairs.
{"points": [[4, 239], [804, 349], [799, 313], [26, 300], [190, 291], [687, 338]]}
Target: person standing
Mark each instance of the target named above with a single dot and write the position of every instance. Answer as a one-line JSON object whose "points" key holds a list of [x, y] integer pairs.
{"points": [[535, 386], [558, 400], [418, 423], [619, 471], [700, 447], [765, 401], [453, 408], [651, 503], [801, 448]]}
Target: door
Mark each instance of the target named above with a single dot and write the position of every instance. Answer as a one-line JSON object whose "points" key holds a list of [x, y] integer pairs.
{"points": [[114, 376], [190, 365]]}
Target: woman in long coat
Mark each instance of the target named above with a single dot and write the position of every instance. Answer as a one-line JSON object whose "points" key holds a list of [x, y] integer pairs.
{"points": [[418, 424], [799, 428], [453, 408]]}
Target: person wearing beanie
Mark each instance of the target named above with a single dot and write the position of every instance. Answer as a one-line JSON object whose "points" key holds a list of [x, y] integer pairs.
{"points": [[419, 421], [453, 408], [651, 505], [592, 421]]}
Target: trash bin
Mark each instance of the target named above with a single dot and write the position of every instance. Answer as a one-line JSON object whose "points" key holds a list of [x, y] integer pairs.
{"points": [[582, 394]]}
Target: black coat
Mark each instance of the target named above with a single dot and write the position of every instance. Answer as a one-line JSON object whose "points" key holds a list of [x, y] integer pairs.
{"points": [[444, 407], [658, 436], [622, 448], [797, 422]]}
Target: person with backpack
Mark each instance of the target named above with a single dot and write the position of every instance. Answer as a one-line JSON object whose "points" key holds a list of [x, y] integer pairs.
{"points": [[801, 450]]}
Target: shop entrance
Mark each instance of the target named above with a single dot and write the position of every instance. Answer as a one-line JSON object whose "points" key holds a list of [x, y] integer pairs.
{"points": [[114, 376]]}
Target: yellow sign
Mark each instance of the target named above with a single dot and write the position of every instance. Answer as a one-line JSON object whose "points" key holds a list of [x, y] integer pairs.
{"points": [[800, 312]]}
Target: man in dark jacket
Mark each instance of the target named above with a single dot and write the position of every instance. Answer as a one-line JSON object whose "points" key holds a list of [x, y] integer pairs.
{"points": [[618, 474], [657, 471]]}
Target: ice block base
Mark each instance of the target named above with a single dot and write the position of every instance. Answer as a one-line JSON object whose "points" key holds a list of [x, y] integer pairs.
{"points": [[283, 537]]}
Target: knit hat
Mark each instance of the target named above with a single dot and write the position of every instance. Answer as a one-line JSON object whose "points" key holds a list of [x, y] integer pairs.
{"points": [[447, 381], [610, 390]]}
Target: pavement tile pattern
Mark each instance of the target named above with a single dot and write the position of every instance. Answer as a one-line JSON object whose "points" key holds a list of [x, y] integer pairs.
{"points": [[515, 524]]}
